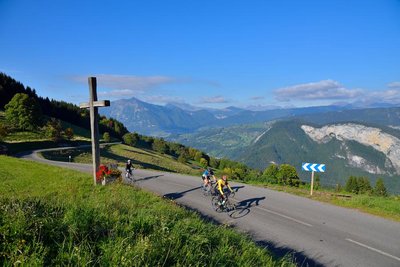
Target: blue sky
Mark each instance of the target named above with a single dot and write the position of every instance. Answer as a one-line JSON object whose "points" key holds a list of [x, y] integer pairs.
{"points": [[206, 53]]}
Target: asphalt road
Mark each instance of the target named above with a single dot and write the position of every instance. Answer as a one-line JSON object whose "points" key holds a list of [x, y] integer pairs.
{"points": [[317, 234]]}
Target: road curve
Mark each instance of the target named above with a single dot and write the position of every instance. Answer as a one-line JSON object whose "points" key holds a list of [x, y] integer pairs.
{"points": [[318, 234]]}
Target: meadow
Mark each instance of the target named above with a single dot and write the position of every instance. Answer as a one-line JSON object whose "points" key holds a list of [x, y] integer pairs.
{"points": [[55, 216]]}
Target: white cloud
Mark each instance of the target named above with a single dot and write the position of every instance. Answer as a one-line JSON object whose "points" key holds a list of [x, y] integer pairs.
{"points": [[255, 98], [214, 100], [127, 85], [394, 85], [391, 96], [163, 99], [322, 90]]}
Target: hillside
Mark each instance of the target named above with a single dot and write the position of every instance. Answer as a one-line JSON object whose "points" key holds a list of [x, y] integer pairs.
{"points": [[53, 216], [364, 151]]}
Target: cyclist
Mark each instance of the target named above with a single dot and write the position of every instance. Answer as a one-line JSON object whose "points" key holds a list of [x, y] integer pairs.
{"points": [[220, 185], [128, 168], [207, 174], [206, 177]]}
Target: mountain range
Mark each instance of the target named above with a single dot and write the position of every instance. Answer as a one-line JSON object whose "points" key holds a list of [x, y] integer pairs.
{"points": [[177, 118]]}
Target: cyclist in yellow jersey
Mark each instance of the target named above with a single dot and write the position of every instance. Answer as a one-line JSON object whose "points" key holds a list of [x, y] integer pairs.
{"points": [[220, 185]]}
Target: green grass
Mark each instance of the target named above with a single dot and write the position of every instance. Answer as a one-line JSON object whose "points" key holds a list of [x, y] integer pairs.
{"points": [[54, 216], [141, 158], [386, 207]]}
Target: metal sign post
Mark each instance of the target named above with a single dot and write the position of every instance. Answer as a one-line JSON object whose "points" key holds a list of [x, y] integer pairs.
{"points": [[93, 106], [313, 167]]}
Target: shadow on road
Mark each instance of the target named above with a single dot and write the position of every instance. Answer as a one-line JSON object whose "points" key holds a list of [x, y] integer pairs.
{"points": [[148, 178], [297, 257], [248, 203], [177, 195], [243, 207], [236, 188]]}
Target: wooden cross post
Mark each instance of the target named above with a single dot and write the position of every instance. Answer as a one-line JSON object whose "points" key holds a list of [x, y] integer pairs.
{"points": [[93, 106]]}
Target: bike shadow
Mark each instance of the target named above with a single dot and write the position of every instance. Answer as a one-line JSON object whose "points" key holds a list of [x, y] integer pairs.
{"points": [[248, 203], [236, 188], [243, 207], [177, 195], [148, 178]]}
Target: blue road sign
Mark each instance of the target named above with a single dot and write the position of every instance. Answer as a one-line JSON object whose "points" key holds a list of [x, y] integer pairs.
{"points": [[313, 167]]}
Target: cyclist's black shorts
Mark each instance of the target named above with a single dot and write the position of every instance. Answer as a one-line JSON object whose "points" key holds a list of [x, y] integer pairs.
{"points": [[205, 177]]}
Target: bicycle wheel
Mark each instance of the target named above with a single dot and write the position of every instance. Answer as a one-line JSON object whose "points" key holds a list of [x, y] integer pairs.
{"points": [[229, 205], [216, 204], [205, 190]]}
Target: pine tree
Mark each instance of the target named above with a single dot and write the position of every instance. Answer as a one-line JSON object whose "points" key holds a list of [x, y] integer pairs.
{"points": [[351, 185], [380, 189]]}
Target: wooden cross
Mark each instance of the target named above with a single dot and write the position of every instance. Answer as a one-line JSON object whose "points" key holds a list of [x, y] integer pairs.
{"points": [[93, 106]]}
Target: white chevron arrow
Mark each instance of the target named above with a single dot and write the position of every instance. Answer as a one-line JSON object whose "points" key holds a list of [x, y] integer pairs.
{"points": [[321, 168], [305, 166], [312, 167]]}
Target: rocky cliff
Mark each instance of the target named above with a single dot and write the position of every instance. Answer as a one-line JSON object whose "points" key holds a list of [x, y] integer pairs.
{"points": [[368, 136]]}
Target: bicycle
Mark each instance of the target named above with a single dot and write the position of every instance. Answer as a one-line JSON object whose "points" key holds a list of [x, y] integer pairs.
{"points": [[129, 175], [208, 189], [220, 206]]}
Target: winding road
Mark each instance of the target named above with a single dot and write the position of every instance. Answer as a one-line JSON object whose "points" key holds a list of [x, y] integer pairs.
{"points": [[317, 234]]}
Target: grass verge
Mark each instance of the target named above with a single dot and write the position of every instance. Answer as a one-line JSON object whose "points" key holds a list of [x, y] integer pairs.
{"points": [[54, 216], [386, 207]]}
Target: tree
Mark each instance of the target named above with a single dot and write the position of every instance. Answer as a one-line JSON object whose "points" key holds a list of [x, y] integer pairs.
{"points": [[53, 130], [203, 163], [198, 156], [131, 139], [214, 162], [364, 185], [159, 145], [287, 175], [270, 174], [183, 157], [3, 131], [69, 133], [351, 185], [380, 189], [23, 112], [106, 137]]}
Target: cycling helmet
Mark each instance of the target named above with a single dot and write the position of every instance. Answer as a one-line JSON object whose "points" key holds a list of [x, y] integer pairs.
{"points": [[129, 161]]}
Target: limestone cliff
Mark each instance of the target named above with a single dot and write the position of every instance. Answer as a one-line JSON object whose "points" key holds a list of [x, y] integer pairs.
{"points": [[368, 136]]}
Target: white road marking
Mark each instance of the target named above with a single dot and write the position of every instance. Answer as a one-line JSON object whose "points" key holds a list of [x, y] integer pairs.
{"points": [[373, 249], [286, 217]]}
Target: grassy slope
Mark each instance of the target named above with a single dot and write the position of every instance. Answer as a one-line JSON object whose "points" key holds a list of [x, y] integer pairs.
{"points": [[54, 216], [144, 159]]}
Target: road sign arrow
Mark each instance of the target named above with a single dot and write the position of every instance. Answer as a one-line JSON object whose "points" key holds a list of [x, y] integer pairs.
{"points": [[321, 168], [312, 167], [305, 166]]}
